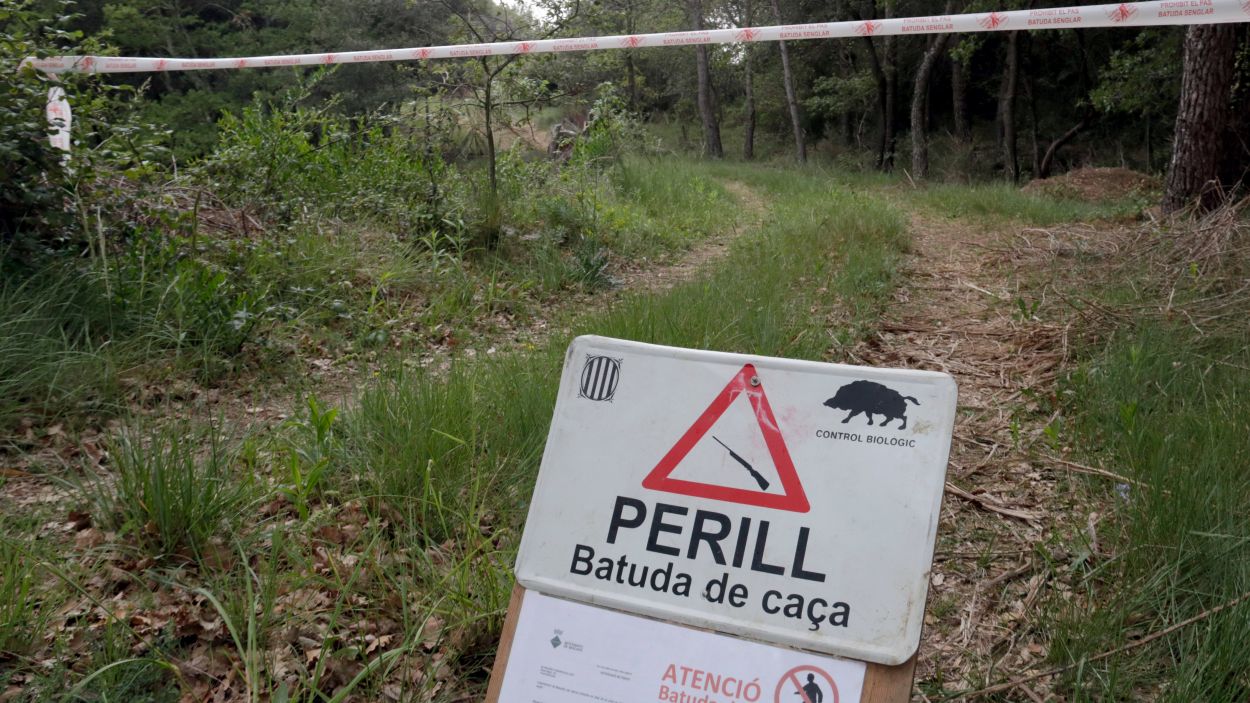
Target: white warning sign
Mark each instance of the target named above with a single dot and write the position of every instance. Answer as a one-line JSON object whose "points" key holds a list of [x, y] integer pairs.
{"points": [[789, 501], [565, 652]]}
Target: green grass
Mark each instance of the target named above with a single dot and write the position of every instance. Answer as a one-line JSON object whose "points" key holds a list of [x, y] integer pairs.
{"points": [[401, 513], [450, 458], [174, 490], [1002, 202], [51, 361], [1156, 405], [435, 446], [21, 619]]}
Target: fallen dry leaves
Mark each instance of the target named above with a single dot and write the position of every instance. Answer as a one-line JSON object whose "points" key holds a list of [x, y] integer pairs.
{"points": [[959, 310]]}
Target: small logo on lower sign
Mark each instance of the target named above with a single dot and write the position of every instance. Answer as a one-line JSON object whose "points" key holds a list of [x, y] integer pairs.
{"points": [[871, 399], [600, 375]]}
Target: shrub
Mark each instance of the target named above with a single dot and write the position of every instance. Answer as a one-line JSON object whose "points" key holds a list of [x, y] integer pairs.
{"points": [[292, 162], [45, 197]]}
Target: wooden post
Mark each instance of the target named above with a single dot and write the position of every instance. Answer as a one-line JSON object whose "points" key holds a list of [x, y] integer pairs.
{"points": [[505, 644]]}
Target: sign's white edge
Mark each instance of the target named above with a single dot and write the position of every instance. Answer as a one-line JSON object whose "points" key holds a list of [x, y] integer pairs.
{"points": [[877, 654]]}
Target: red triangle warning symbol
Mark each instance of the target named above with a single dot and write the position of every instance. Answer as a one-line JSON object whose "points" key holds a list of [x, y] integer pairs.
{"points": [[792, 496]]}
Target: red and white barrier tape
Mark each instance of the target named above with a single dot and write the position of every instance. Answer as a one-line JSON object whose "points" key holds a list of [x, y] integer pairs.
{"points": [[59, 118], [1135, 14]]}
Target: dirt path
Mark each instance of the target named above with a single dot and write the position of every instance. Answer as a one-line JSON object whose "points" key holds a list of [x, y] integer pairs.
{"points": [[958, 311], [753, 210]]}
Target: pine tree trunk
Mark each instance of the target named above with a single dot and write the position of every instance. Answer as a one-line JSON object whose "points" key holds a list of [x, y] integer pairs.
{"points": [[1150, 150], [959, 100], [631, 69], [878, 75], [488, 113], [707, 110], [890, 55], [796, 121], [748, 89], [920, 107], [1201, 119], [1007, 107], [1034, 130]]}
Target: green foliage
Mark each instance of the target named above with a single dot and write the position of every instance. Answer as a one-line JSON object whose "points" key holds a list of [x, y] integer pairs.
{"points": [[51, 359], [834, 95], [21, 619], [444, 449], [610, 130], [35, 182], [1158, 404], [174, 491], [1006, 202], [312, 447], [32, 184], [295, 162], [1141, 78]]}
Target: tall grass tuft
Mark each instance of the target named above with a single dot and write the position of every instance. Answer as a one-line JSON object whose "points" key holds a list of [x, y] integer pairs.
{"points": [[51, 361], [172, 491], [21, 619], [1158, 405]]}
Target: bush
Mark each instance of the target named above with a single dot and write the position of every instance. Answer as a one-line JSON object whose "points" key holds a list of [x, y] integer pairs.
{"points": [[35, 180], [292, 162], [45, 195]]}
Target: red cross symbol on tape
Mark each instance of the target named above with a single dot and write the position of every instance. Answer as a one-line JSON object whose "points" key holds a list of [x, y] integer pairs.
{"points": [[868, 28], [992, 21], [1122, 13]]}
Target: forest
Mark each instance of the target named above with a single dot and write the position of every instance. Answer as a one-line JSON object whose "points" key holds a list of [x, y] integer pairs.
{"points": [[279, 347]]}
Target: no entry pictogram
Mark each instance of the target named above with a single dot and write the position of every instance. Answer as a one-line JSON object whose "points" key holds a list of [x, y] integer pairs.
{"points": [[811, 684], [745, 383]]}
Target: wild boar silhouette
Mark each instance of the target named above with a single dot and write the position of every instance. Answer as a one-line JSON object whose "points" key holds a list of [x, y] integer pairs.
{"points": [[871, 399]]}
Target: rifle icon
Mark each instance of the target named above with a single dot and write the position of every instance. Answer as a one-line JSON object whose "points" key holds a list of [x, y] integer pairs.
{"points": [[754, 474]]}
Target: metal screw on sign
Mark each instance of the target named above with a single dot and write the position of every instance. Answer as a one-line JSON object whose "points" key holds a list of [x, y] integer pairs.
{"points": [[755, 381]]}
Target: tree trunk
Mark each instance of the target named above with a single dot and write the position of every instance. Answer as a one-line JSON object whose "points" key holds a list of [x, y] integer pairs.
{"points": [[1034, 130], [959, 100], [1150, 149], [920, 107], [1007, 107], [748, 89], [890, 54], [631, 70], [707, 110], [631, 80], [878, 75], [1201, 118], [796, 121], [1048, 161], [488, 109]]}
